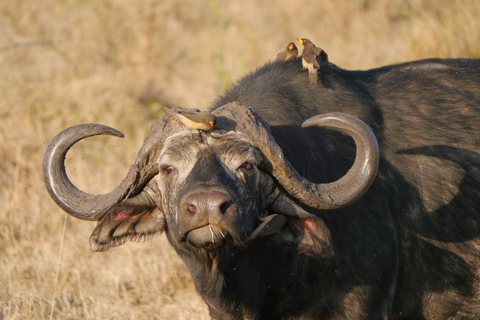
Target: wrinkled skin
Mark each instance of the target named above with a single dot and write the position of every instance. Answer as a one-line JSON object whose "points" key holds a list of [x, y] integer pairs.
{"points": [[224, 166]]}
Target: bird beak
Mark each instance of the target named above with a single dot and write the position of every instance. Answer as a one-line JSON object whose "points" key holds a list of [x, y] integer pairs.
{"points": [[211, 123], [300, 40]]}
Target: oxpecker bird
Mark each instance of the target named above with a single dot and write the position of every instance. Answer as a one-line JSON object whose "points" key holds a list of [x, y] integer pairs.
{"points": [[194, 118], [310, 56], [290, 52]]}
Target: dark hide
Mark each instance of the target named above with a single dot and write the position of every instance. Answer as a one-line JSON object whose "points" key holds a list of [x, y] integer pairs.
{"points": [[407, 249], [422, 214]]}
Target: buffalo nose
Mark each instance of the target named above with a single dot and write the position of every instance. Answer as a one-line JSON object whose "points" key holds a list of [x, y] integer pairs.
{"points": [[204, 202]]}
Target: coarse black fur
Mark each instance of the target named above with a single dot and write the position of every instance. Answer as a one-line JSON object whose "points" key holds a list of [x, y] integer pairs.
{"points": [[409, 248]]}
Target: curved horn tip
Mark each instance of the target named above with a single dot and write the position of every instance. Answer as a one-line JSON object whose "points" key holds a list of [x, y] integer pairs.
{"points": [[358, 179], [72, 200], [327, 118], [95, 129]]}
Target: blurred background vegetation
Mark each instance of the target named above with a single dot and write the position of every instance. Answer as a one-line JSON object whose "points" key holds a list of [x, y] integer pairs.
{"points": [[116, 62]]}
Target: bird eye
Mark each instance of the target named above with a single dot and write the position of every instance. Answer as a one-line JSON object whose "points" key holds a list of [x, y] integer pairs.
{"points": [[167, 169]]}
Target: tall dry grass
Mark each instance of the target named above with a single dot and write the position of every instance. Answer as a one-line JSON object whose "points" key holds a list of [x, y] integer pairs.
{"points": [[114, 62]]}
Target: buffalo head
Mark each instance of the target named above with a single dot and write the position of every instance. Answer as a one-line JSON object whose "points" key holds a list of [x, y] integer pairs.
{"points": [[213, 189]]}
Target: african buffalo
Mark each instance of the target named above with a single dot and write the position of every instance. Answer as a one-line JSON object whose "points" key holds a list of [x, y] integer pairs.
{"points": [[252, 210]]}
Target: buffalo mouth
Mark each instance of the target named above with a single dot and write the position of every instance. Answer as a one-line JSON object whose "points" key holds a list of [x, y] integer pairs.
{"points": [[209, 237]]}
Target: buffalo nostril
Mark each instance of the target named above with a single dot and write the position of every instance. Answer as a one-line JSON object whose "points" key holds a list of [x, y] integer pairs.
{"points": [[224, 207], [206, 203]]}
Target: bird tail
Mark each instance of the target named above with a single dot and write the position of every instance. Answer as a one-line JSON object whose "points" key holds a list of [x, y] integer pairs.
{"points": [[168, 110], [313, 76]]}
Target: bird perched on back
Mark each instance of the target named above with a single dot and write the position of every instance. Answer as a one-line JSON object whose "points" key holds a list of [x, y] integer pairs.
{"points": [[194, 118], [290, 52], [310, 56]]}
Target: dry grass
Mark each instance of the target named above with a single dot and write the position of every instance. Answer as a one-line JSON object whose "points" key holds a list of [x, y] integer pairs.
{"points": [[113, 62]]}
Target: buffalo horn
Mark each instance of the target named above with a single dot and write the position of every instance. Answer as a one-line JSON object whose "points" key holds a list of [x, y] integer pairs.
{"points": [[358, 179], [74, 201], [332, 195]]}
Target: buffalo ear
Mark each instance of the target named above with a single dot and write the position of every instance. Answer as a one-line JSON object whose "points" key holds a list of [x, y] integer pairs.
{"points": [[310, 235], [301, 228], [130, 220]]}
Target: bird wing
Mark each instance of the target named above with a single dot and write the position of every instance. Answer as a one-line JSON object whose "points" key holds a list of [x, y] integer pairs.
{"points": [[311, 58], [281, 56], [189, 110], [187, 121], [317, 51]]}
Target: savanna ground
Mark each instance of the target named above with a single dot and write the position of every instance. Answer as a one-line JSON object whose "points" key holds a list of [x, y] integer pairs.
{"points": [[115, 62]]}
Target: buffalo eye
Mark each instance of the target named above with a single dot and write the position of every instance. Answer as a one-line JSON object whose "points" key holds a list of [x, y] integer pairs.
{"points": [[167, 169], [247, 166]]}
